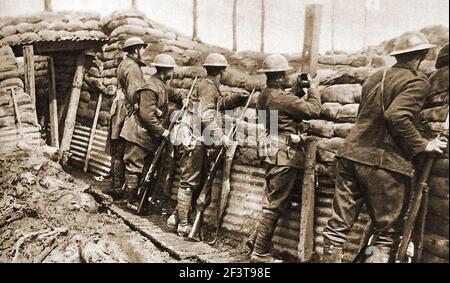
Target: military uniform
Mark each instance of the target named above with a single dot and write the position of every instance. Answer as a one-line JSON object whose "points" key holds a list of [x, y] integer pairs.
{"points": [[285, 159], [143, 129], [130, 77], [207, 98], [376, 162]]}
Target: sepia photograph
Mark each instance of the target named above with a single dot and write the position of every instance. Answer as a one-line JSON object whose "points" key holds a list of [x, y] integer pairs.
{"points": [[224, 132]]}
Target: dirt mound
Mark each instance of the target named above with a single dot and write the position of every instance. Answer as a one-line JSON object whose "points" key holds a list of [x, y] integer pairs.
{"points": [[48, 216]]}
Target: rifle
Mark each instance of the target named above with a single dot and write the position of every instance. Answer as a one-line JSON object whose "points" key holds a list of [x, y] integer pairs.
{"points": [[145, 183], [205, 194], [420, 191]]}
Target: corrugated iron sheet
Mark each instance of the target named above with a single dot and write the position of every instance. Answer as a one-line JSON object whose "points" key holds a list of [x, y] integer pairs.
{"points": [[100, 161]]}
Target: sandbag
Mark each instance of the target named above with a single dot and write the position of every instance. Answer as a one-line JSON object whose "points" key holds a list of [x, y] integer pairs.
{"points": [[82, 34], [92, 25], [8, 31], [6, 51], [359, 61], [320, 128], [111, 64], [175, 49], [94, 72], [335, 60], [111, 47], [85, 96], [436, 114], [109, 81], [181, 72], [109, 73], [111, 90], [10, 40], [182, 44], [257, 82], [30, 37], [41, 26], [92, 104], [341, 130], [234, 77], [104, 117], [49, 35], [9, 111], [25, 27], [346, 76], [128, 29], [13, 82], [327, 148], [343, 94], [348, 113], [329, 110], [326, 170], [110, 55], [75, 25], [96, 34]]}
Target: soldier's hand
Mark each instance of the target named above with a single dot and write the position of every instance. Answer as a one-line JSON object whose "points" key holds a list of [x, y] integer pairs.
{"points": [[314, 82], [166, 134], [226, 141], [437, 145]]}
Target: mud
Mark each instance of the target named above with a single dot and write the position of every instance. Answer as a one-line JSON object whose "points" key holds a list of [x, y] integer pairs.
{"points": [[47, 216]]}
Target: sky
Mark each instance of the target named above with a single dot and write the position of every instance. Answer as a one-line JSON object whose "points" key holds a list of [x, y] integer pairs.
{"points": [[284, 19]]}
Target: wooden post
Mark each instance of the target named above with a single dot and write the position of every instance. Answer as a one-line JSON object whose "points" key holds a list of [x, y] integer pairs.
{"points": [[62, 111], [48, 5], [134, 4], [333, 16], [93, 131], [30, 83], [306, 240], [69, 124], [313, 20], [234, 25], [52, 104], [263, 24], [194, 19]]}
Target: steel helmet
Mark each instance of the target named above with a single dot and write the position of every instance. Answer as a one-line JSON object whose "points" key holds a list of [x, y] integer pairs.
{"points": [[133, 41], [410, 42], [215, 60], [442, 59], [275, 63], [164, 60]]}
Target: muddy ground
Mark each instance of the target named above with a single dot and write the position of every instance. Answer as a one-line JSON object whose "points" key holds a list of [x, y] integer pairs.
{"points": [[46, 216]]}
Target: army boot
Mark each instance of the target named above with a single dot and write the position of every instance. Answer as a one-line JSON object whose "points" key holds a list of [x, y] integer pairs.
{"points": [[172, 221], [250, 242], [265, 231], [265, 258], [131, 187], [184, 210], [332, 254]]}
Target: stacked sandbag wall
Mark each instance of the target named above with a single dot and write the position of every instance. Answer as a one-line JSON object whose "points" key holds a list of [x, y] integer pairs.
{"points": [[50, 26], [10, 135], [436, 237]]}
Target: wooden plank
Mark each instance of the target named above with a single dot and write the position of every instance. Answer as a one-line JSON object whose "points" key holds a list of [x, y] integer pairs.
{"points": [[194, 19], [93, 130], [263, 24], [313, 21], [30, 84], [306, 240], [234, 23], [48, 5], [52, 104], [69, 124]]}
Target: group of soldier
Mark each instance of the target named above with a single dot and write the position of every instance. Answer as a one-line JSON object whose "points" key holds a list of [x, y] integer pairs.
{"points": [[374, 167]]}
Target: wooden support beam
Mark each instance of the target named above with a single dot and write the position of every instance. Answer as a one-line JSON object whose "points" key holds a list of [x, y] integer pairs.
{"points": [[52, 104], [48, 5], [234, 23], [62, 113], [30, 83], [69, 124], [306, 240], [263, 24], [134, 4], [313, 21], [93, 130], [194, 19]]}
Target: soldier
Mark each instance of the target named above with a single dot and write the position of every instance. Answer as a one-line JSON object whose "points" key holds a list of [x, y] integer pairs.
{"points": [[208, 99], [283, 163], [375, 164], [130, 77], [145, 127]]}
